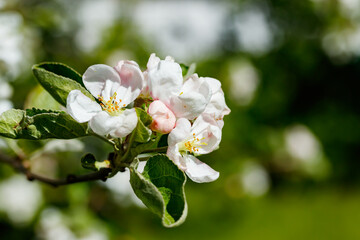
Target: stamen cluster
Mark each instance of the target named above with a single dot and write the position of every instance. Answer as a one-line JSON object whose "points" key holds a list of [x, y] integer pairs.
{"points": [[112, 106]]}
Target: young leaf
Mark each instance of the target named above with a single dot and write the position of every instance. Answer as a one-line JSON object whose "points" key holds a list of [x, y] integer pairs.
{"points": [[38, 124], [161, 188], [59, 80], [88, 161], [188, 70], [142, 133]]}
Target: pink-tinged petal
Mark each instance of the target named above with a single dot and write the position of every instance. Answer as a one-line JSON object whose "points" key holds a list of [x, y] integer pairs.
{"points": [[80, 107], [165, 81], [198, 171], [132, 81], [180, 133], [207, 130], [126, 123], [163, 118], [174, 154], [101, 80]]}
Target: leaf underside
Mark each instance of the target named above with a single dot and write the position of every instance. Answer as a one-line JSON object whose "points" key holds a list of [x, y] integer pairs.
{"points": [[161, 188]]}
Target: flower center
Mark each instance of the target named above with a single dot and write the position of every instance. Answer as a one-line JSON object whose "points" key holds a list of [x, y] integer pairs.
{"points": [[112, 106], [192, 145]]}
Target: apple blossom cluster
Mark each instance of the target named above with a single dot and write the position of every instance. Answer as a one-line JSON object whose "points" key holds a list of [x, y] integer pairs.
{"points": [[190, 110]]}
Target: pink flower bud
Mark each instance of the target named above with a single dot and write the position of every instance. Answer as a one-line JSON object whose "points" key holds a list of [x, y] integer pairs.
{"points": [[163, 118]]}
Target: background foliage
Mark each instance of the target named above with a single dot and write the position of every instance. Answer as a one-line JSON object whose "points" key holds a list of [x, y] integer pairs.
{"points": [[289, 158]]}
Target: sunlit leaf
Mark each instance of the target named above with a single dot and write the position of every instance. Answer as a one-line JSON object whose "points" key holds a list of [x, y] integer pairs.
{"points": [[40, 124], [59, 80]]}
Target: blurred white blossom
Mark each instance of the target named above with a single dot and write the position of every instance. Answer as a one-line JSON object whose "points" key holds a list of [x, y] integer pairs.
{"points": [[120, 186], [60, 145], [94, 17], [254, 32], [54, 225], [186, 30], [20, 199], [16, 45], [342, 43], [303, 146], [244, 81], [255, 179]]}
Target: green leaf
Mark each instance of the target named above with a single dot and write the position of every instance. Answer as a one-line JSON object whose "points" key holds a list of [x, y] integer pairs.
{"points": [[142, 133], [188, 70], [40, 98], [161, 188], [59, 80], [38, 124]]}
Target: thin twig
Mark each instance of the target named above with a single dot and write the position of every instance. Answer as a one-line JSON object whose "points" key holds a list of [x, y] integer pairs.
{"points": [[17, 164]]}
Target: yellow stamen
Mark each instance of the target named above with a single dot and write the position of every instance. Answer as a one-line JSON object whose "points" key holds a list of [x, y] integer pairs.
{"points": [[192, 145], [111, 106]]}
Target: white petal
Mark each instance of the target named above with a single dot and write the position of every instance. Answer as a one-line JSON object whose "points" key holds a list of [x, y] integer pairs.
{"points": [[193, 99], [102, 123], [80, 107], [117, 126], [180, 132], [152, 62], [207, 129], [188, 105], [174, 154], [215, 85], [126, 123], [101, 80], [198, 171], [165, 80], [132, 81], [217, 105]]}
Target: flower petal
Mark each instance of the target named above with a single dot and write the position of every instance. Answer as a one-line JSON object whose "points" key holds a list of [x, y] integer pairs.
{"points": [[193, 99], [80, 107], [180, 133], [215, 85], [101, 80], [152, 62], [217, 106], [132, 81], [165, 80], [115, 126], [163, 118], [126, 123], [174, 154], [206, 128], [198, 171], [102, 123]]}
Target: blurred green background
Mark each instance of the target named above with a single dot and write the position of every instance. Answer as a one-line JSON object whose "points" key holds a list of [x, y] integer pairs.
{"points": [[289, 158]]}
